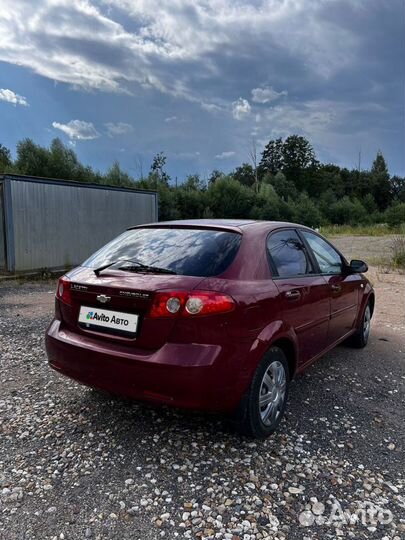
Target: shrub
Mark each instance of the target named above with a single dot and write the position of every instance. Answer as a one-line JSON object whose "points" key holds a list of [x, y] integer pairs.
{"points": [[346, 211], [395, 215], [306, 212], [229, 199]]}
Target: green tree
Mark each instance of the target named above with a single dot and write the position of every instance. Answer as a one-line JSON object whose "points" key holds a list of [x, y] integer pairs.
{"points": [[395, 215], [316, 181], [398, 188], [283, 187], [115, 176], [5, 158], [193, 182], [380, 181], [299, 161], [215, 175], [346, 211], [272, 159], [244, 174], [190, 203], [306, 212], [207, 213], [62, 161], [157, 169], [332, 179], [229, 199], [369, 204], [266, 204], [32, 159], [326, 200], [167, 197]]}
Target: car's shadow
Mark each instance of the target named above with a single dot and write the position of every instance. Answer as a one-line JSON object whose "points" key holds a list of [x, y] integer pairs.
{"points": [[328, 407], [135, 418]]}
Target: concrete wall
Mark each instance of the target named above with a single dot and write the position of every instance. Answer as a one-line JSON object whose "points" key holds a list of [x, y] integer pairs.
{"points": [[56, 225]]}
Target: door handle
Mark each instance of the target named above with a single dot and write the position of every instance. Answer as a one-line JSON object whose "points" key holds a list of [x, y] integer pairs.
{"points": [[294, 294], [336, 288]]}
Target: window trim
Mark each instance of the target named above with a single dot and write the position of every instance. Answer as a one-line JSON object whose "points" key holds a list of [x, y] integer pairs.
{"points": [[272, 265]]}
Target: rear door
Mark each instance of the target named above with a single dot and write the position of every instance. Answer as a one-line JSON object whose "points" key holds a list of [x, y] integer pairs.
{"points": [[343, 289], [304, 295]]}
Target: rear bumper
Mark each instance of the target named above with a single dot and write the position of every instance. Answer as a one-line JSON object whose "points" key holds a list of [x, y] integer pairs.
{"points": [[193, 376]]}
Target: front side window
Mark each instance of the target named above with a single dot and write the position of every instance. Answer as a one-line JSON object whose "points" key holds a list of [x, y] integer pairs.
{"points": [[189, 252], [288, 254], [328, 259]]}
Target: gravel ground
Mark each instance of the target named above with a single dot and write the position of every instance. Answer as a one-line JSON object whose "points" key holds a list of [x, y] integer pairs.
{"points": [[75, 464]]}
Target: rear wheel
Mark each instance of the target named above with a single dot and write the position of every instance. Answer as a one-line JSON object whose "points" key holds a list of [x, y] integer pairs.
{"points": [[360, 338], [262, 408]]}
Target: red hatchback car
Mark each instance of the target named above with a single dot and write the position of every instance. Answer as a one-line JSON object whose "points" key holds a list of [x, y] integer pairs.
{"points": [[213, 315]]}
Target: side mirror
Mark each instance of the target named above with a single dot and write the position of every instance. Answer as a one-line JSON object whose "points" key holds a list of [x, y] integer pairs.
{"points": [[357, 267]]}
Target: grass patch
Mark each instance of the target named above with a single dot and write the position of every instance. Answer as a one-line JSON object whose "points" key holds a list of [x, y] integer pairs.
{"points": [[378, 229], [394, 261], [398, 252]]}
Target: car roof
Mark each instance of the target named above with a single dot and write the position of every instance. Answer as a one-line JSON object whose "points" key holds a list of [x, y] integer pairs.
{"points": [[238, 225]]}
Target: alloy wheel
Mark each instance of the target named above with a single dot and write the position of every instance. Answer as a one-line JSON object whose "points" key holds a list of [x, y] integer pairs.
{"points": [[272, 392], [366, 323]]}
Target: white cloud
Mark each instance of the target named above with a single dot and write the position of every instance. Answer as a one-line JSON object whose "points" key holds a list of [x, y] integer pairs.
{"points": [[225, 155], [78, 130], [118, 128], [310, 118], [241, 109], [12, 97], [81, 43], [170, 119], [265, 95], [210, 107]]}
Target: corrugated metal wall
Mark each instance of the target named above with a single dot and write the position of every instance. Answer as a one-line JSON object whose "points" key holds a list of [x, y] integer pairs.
{"points": [[56, 225], [2, 232]]}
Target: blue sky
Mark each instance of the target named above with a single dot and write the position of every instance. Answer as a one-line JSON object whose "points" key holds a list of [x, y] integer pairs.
{"points": [[200, 79]]}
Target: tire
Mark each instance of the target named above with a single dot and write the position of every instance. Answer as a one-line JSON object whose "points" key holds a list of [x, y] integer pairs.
{"points": [[360, 338], [257, 421]]}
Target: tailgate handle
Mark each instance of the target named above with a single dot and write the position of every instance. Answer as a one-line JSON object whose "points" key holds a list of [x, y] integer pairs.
{"points": [[293, 295]]}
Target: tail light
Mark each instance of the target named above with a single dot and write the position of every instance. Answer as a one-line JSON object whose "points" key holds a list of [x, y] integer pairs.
{"points": [[63, 290], [190, 304]]}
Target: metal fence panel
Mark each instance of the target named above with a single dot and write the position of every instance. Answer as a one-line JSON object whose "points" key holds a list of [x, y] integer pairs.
{"points": [[58, 225], [2, 231]]}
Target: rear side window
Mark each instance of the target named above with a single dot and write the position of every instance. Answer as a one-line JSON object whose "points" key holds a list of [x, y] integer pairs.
{"points": [[288, 254], [191, 252], [328, 259]]}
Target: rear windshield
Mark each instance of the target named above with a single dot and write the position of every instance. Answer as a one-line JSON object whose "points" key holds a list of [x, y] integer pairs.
{"points": [[189, 252]]}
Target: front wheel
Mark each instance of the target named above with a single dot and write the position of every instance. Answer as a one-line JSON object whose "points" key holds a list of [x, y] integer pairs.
{"points": [[360, 338], [262, 408]]}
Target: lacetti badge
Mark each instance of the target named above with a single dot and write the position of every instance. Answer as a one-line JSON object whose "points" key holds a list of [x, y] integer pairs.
{"points": [[101, 317]]}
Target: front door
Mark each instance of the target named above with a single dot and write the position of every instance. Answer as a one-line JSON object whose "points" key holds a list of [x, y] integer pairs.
{"points": [[304, 295], [343, 289]]}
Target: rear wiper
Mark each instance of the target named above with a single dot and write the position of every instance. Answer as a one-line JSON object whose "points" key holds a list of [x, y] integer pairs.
{"points": [[105, 266], [138, 267], [147, 268]]}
